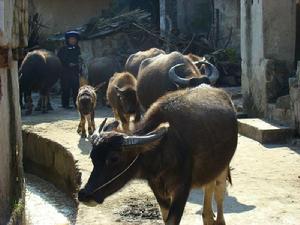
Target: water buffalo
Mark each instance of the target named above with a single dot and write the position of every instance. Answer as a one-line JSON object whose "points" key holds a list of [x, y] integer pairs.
{"points": [[179, 145], [121, 96], [169, 72], [134, 61], [101, 70], [86, 104], [39, 70]]}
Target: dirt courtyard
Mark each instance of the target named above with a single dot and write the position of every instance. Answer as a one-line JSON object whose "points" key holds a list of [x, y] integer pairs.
{"points": [[265, 191]]}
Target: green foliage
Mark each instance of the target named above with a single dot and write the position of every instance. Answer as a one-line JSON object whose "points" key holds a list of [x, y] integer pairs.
{"points": [[232, 55]]}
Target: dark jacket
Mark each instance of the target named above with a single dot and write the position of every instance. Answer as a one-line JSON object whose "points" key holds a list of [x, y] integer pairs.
{"points": [[70, 55]]}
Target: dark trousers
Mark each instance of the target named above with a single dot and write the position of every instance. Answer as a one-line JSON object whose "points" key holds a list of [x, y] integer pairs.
{"points": [[69, 84]]}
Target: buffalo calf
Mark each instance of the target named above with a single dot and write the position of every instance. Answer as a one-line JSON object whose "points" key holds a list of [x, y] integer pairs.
{"points": [[121, 95], [86, 104]]}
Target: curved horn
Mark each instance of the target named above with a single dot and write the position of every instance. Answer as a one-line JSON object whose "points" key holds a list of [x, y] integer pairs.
{"points": [[177, 79], [134, 140], [212, 73], [102, 125]]}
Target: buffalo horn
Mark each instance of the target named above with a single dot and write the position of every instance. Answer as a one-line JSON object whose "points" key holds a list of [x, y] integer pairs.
{"points": [[102, 125], [212, 72], [145, 139], [177, 79]]}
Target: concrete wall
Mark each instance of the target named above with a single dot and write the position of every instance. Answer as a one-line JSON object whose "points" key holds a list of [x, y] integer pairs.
{"points": [[267, 51], [60, 15], [229, 22], [13, 31]]}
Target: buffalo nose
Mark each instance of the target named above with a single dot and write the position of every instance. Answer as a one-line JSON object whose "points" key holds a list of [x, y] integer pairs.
{"points": [[83, 195]]}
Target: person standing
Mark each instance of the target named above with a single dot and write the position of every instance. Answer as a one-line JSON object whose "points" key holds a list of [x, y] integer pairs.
{"points": [[70, 59]]}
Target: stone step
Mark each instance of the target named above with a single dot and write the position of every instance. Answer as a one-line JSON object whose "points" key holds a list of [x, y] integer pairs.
{"points": [[265, 132]]}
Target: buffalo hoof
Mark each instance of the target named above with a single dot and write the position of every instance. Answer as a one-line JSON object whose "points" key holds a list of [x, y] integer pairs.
{"points": [[79, 130], [83, 135], [37, 108], [91, 131]]}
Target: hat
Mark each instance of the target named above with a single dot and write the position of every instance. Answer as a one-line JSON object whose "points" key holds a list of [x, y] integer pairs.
{"points": [[72, 33]]}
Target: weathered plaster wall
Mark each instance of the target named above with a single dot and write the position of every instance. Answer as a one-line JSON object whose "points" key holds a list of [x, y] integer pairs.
{"points": [[229, 22], [267, 51], [60, 15], [13, 31], [4, 150]]}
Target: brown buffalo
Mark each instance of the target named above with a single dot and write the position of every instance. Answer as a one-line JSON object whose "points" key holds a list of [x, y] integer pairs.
{"points": [[100, 70], [86, 104], [121, 95], [134, 61], [179, 145], [169, 72]]}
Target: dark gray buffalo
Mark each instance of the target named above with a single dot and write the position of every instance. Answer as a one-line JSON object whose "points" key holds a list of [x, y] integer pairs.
{"points": [[169, 72], [100, 70], [134, 61], [179, 145], [39, 71]]}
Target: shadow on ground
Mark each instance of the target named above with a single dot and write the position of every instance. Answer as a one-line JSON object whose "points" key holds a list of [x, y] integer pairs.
{"points": [[231, 203]]}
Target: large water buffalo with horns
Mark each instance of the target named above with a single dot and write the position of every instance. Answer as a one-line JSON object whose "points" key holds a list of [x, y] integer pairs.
{"points": [[179, 145], [169, 72], [134, 61]]}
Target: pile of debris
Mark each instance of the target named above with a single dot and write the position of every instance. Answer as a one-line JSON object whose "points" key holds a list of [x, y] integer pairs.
{"points": [[99, 27]]}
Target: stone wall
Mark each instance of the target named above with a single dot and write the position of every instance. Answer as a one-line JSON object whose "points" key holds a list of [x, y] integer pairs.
{"points": [[60, 16], [267, 51], [13, 31]]}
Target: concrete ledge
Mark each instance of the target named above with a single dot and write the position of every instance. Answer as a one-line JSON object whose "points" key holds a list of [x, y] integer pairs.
{"points": [[265, 132], [50, 161]]}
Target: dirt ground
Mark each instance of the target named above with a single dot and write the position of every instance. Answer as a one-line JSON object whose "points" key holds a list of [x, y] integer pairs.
{"points": [[265, 191]]}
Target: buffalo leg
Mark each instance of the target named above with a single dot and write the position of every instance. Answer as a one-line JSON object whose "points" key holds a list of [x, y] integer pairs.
{"points": [[123, 120], [178, 203], [28, 104], [81, 127], [137, 114], [90, 124], [93, 120], [44, 103], [207, 213], [164, 204], [220, 189]]}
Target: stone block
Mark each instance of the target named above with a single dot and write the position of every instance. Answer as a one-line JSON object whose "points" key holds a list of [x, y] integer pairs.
{"points": [[265, 132]]}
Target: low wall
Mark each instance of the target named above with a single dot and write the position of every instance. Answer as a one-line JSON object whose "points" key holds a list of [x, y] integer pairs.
{"points": [[50, 161]]}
